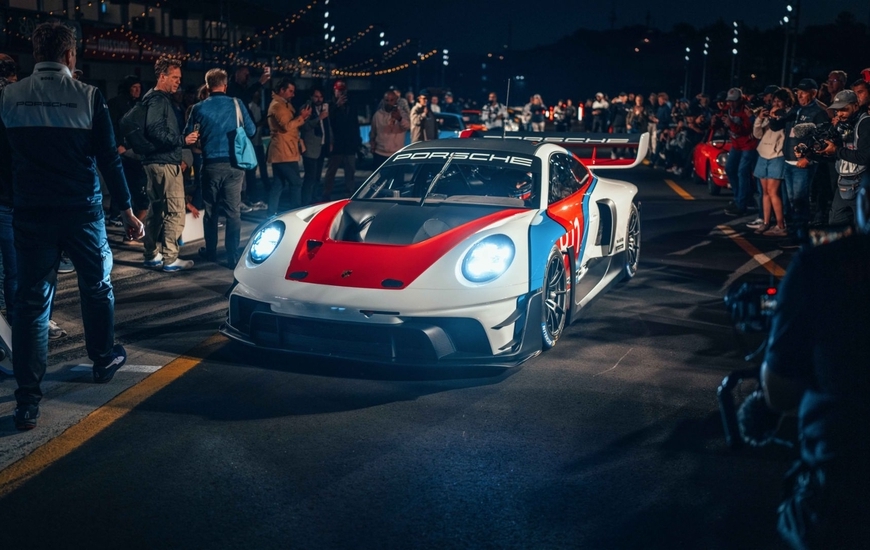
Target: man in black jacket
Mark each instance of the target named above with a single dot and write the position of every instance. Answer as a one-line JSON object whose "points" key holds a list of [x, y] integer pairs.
{"points": [[345, 140], [129, 92], [165, 220], [58, 206]]}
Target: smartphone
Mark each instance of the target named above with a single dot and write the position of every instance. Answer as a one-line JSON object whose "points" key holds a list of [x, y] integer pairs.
{"points": [[196, 127], [325, 107]]}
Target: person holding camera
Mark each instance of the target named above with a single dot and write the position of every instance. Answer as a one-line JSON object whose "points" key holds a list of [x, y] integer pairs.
{"points": [[799, 172], [422, 120], [493, 113], [389, 126], [346, 140], [816, 366], [851, 157], [770, 166], [317, 138], [742, 157]]}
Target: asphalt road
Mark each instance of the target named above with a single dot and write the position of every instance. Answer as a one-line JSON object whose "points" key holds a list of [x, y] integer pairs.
{"points": [[611, 440]]}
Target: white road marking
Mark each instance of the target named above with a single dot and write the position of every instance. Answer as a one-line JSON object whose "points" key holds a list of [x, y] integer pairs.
{"points": [[614, 366], [691, 248], [147, 369]]}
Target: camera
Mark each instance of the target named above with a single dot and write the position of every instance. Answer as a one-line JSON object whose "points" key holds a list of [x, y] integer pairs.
{"points": [[757, 104], [814, 136]]}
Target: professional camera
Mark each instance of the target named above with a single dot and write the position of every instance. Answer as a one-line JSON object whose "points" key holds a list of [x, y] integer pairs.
{"points": [[814, 136], [751, 306]]}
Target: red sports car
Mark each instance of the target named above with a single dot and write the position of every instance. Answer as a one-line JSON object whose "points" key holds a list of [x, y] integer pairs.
{"points": [[709, 158]]}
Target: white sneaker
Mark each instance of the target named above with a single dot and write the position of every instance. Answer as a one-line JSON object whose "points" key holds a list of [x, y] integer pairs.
{"points": [[54, 331], [755, 224], [178, 265], [156, 261]]}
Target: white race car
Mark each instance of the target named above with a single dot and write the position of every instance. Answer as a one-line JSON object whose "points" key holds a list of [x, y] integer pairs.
{"points": [[454, 252]]}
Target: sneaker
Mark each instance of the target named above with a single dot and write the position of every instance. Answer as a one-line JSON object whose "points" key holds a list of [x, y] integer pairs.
{"points": [[734, 211], [25, 416], [755, 224], [790, 244], [245, 208], [259, 205], [156, 261], [178, 265], [775, 232], [54, 331], [116, 221], [65, 265], [105, 370], [761, 230]]}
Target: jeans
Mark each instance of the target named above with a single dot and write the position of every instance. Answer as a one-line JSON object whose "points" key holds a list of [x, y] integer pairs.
{"points": [[285, 174], [222, 192], [797, 190], [313, 169], [10, 261], [39, 239], [739, 170]]}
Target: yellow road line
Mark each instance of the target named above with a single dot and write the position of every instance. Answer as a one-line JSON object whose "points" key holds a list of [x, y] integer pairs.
{"points": [[759, 256], [679, 190], [77, 435]]}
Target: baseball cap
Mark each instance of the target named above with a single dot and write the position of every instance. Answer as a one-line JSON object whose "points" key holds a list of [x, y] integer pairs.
{"points": [[448, 94], [807, 84], [734, 94], [770, 89], [866, 74], [846, 97], [340, 85]]}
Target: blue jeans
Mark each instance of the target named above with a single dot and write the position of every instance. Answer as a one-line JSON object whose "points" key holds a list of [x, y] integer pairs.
{"points": [[796, 208], [10, 262], [739, 170], [39, 239]]}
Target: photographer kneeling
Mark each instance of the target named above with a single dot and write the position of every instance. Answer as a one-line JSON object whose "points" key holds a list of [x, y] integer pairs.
{"points": [[816, 364]]}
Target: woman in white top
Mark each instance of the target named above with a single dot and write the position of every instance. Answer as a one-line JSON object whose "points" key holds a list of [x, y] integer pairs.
{"points": [[770, 167]]}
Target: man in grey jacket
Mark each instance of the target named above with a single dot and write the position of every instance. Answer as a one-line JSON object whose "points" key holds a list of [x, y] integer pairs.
{"points": [[165, 220]]}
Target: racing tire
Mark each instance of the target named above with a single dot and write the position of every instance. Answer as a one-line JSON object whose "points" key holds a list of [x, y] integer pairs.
{"points": [[555, 299], [632, 243], [712, 188]]}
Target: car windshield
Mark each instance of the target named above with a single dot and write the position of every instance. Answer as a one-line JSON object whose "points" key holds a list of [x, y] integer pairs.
{"points": [[475, 178]]}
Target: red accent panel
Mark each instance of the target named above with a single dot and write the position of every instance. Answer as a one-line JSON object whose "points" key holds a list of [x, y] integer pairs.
{"points": [[568, 213], [366, 265]]}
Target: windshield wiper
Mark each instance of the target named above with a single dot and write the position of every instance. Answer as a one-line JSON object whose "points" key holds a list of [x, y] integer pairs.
{"points": [[435, 180]]}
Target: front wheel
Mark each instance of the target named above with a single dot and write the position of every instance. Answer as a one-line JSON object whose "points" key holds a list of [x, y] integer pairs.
{"points": [[712, 188], [555, 310], [632, 243]]}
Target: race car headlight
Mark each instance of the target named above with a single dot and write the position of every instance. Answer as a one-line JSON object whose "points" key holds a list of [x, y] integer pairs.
{"points": [[721, 159], [488, 259], [265, 241]]}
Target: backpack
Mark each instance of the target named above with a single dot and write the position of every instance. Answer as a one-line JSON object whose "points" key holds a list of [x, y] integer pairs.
{"points": [[132, 128]]}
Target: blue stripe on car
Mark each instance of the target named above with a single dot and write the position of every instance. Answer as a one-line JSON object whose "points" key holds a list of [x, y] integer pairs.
{"points": [[544, 233]]}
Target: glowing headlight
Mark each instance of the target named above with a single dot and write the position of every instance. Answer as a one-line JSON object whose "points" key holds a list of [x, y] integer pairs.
{"points": [[488, 259], [722, 159], [265, 241]]}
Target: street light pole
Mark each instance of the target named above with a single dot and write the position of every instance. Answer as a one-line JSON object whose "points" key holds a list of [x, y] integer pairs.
{"points": [[734, 56], [704, 71], [786, 25], [686, 85]]}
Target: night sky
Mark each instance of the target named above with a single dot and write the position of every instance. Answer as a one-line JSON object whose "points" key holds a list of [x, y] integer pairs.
{"points": [[475, 26]]}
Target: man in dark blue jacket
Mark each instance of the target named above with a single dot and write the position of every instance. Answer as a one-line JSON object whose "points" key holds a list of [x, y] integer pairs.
{"points": [[58, 206], [217, 119]]}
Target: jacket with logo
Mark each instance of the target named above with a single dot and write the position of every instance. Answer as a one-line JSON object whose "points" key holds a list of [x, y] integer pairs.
{"points": [[60, 132]]}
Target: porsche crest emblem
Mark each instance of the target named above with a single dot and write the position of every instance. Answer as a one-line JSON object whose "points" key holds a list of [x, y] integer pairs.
{"points": [[346, 273]]}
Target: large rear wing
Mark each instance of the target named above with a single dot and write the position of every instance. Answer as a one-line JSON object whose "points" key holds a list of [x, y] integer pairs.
{"points": [[593, 150]]}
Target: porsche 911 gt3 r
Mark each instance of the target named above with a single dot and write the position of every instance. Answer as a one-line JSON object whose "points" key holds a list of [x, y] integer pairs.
{"points": [[464, 251]]}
